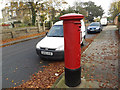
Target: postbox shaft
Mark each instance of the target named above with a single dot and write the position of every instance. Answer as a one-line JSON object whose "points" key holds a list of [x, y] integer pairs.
{"points": [[72, 45]]}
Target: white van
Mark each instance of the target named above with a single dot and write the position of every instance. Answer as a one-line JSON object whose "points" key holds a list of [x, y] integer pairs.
{"points": [[52, 45], [103, 21]]}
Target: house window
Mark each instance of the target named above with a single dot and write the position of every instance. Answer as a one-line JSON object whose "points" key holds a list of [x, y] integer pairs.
{"points": [[6, 11], [10, 13], [14, 14]]}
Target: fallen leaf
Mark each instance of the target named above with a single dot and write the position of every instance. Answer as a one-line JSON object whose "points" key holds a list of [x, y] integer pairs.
{"points": [[48, 86], [40, 71], [90, 86], [43, 66], [56, 74], [12, 81], [93, 68], [22, 80], [6, 78], [40, 62], [82, 76], [82, 70]]}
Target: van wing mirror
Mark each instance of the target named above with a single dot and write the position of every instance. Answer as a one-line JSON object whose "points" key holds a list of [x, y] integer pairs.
{"points": [[46, 33]]}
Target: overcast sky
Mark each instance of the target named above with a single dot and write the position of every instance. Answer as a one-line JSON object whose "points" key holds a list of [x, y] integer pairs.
{"points": [[104, 3]]}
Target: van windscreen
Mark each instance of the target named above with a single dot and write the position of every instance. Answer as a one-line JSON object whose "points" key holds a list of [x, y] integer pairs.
{"points": [[56, 31]]}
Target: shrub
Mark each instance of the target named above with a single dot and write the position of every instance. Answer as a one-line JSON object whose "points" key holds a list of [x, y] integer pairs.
{"points": [[119, 18], [26, 20], [48, 24]]}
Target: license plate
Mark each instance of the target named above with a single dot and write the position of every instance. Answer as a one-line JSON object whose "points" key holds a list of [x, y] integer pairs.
{"points": [[47, 53], [92, 30]]}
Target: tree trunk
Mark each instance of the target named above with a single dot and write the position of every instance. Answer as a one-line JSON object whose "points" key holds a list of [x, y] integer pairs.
{"points": [[39, 28], [51, 23], [33, 12], [43, 26], [33, 16]]}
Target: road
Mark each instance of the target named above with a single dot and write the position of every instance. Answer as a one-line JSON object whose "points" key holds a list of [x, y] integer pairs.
{"points": [[20, 61]]}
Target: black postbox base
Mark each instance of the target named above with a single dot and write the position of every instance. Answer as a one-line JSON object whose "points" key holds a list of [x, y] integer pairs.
{"points": [[72, 77]]}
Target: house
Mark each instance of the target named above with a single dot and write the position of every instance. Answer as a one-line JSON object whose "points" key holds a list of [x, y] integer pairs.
{"points": [[16, 13], [21, 12]]}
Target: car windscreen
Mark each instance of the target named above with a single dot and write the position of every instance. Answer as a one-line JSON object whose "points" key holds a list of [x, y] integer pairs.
{"points": [[56, 31], [94, 24]]}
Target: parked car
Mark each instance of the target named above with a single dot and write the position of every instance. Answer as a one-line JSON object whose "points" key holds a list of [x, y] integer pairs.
{"points": [[94, 27], [52, 45]]}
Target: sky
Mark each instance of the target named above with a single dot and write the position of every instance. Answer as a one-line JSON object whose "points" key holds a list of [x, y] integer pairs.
{"points": [[104, 3]]}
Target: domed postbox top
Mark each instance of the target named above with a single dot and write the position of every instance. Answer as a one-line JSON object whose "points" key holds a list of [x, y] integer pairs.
{"points": [[72, 16]]}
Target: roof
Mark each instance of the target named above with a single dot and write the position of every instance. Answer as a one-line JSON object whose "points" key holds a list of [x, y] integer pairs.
{"points": [[59, 23]]}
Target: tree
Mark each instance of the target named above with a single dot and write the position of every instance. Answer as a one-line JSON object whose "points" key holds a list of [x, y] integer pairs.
{"points": [[54, 6], [93, 10], [26, 5], [78, 8], [32, 6], [69, 10], [119, 6], [114, 9], [37, 6], [26, 20]]}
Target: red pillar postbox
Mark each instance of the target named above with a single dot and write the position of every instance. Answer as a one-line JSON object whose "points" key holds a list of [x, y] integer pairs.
{"points": [[72, 48]]}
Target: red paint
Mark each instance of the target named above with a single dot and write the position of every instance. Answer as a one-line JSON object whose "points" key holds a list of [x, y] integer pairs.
{"points": [[72, 47]]}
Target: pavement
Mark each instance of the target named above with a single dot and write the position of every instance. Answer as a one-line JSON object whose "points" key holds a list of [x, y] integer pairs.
{"points": [[21, 40], [99, 63]]}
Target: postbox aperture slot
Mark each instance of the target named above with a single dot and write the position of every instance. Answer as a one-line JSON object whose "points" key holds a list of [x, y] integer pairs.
{"points": [[77, 22], [79, 29]]}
